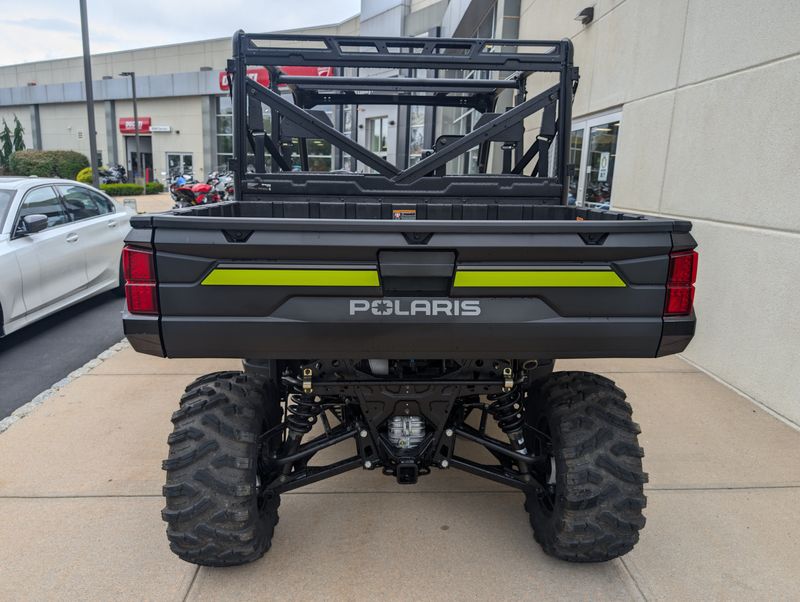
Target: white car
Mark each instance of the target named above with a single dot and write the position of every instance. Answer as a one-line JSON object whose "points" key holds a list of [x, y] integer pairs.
{"points": [[60, 243]]}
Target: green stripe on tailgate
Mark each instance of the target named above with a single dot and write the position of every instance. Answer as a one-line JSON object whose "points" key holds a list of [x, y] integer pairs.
{"points": [[536, 278], [270, 277]]}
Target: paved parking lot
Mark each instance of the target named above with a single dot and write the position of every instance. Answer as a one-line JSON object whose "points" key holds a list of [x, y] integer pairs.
{"points": [[80, 485], [64, 341], [55, 347]]}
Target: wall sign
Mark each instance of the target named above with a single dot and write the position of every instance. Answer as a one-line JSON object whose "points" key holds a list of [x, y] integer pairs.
{"points": [[126, 125], [160, 128], [261, 75]]}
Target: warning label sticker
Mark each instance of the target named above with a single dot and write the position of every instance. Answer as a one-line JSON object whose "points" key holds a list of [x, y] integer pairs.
{"points": [[404, 214]]}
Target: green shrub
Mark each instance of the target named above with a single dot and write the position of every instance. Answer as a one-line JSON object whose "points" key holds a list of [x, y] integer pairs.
{"points": [[85, 175], [47, 164], [131, 189], [121, 189]]}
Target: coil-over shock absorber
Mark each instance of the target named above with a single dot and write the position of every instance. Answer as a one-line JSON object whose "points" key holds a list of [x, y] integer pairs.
{"points": [[508, 411], [302, 412]]}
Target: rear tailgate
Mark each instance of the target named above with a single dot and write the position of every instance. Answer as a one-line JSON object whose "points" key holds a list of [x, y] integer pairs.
{"points": [[301, 288]]}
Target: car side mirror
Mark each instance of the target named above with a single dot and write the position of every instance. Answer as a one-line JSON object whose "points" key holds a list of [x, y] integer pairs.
{"points": [[30, 224]]}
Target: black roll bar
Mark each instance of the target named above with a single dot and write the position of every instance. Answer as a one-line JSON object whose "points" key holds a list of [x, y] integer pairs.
{"points": [[483, 60]]}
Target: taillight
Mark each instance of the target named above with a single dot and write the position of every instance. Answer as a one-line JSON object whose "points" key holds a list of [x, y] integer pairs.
{"points": [[140, 280], [680, 284], [137, 265]]}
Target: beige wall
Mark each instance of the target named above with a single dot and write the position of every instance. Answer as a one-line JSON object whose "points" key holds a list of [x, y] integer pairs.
{"points": [[175, 58], [708, 91], [183, 115], [64, 127]]}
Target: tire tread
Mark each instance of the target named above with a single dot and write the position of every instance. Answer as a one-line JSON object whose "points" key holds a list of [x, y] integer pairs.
{"points": [[211, 498], [599, 476]]}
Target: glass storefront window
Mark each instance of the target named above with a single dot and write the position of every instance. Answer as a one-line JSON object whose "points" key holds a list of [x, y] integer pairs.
{"points": [[319, 151], [347, 129], [575, 149], [416, 133], [179, 164], [593, 152], [377, 128], [602, 153], [224, 131], [459, 122], [224, 125]]}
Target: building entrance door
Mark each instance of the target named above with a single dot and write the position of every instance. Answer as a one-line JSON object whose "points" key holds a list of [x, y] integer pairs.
{"points": [[179, 164], [133, 159], [593, 152]]}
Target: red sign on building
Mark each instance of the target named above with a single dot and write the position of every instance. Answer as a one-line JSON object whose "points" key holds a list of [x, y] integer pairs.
{"points": [[126, 125], [261, 75]]}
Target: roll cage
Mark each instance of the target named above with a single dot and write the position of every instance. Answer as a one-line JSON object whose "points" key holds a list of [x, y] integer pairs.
{"points": [[429, 72]]}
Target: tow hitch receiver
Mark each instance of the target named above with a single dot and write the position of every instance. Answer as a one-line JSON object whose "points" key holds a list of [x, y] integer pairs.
{"points": [[407, 472]]}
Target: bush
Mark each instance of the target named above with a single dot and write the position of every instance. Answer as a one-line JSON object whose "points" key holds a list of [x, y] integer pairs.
{"points": [[85, 175], [121, 189], [47, 164], [131, 189]]}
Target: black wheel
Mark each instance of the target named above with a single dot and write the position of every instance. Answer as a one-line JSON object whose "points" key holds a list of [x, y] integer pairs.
{"points": [[216, 511], [591, 507]]}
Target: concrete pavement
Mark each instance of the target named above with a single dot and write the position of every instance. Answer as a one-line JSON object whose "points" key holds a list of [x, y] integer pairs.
{"points": [[151, 203], [80, 485]]}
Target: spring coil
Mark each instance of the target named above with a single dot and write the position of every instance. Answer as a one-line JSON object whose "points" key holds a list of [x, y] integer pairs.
{"points": [[506, 409], [303, 412]]}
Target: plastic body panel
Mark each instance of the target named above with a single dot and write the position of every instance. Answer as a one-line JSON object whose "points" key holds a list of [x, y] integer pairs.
{"points": [[296, 322]]}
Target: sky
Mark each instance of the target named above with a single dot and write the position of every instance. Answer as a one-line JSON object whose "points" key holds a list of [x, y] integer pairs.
{"points": [[35, 30]]}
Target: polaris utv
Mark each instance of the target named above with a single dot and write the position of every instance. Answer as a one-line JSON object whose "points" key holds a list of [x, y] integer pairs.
{"points": [[400, 308]]}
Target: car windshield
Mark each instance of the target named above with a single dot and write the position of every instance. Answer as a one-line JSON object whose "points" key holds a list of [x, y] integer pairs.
{"points": [[5, 202]]}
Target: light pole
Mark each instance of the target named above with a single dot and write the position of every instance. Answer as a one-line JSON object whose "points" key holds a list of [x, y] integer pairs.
{"points": [[139, 164], [87, 79]]}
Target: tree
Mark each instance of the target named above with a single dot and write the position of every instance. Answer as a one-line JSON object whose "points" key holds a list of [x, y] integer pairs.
{"points": [[18, 135], [6, 145]]}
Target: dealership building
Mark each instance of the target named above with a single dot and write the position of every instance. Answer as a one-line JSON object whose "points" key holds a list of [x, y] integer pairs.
{"points": [[685, 108]]}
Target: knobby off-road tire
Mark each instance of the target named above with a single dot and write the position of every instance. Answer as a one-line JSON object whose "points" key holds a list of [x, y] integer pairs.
{"points": [[593, 510], [214, 512]]}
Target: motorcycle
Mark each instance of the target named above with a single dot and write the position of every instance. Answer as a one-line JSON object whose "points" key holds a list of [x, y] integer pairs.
{"points": [[222, 183], [188, 192], [114, 174]]}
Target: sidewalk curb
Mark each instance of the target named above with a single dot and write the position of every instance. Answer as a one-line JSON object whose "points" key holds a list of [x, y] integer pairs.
{"points": [[28, 408]]}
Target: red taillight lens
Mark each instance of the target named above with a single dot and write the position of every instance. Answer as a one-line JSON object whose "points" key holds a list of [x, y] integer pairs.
{"points": [[679, 300], [140, 280], [142, 298], [683, 268], [137, 265], [680, 285]]}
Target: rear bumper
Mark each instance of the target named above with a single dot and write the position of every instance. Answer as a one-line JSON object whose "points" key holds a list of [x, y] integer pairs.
{"points": [[276, 338]]}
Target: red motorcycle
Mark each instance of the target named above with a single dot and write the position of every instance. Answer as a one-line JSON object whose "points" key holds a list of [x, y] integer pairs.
{"points": [[194, 193]]}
